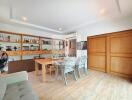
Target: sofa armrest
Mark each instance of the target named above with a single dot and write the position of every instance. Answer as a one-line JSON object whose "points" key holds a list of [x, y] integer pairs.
{"points": [[15, 77]]}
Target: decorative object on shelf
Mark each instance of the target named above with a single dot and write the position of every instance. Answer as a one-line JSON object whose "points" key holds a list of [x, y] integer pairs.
{"points": [[27, 41], [46, 42], [5, 38], [8, 38], [26, 48], [17, 40], [45, 49], [0, 37], [15, 48], [66, 43], [19, 48], [8, 48], [31, 47], [63, 44], [82, 45], [0, 47]]}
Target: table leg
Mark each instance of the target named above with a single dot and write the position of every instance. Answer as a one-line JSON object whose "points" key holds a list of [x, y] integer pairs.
{"points": [[36, 68], [43, 72], [56, 72]]}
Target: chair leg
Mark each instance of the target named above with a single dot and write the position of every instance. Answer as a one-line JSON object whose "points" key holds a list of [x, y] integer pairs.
{"points": [[85, 70], [64, 76], [74, 75], [79, 75], [65, 81], [50, 70], [56, 72]]}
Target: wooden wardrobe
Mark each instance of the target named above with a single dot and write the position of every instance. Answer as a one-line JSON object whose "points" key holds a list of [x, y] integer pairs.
{"points": [[111, 53]]}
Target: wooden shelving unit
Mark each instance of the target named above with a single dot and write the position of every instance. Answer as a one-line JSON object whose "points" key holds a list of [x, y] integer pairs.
{"points": [[29, 44], [14, 53], [9, 41]]}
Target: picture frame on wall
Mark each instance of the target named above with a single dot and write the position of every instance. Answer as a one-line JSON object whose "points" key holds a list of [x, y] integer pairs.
{"points": [[82, 45]]}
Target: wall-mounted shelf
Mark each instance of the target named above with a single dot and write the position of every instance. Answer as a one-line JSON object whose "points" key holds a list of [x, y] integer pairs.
{"points": [[14, 53], [27, 45], [10, 42]]}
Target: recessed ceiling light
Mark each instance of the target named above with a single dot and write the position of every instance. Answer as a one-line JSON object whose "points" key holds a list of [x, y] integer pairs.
{"points": [[103, 11], [59, 29], [24, 18]]}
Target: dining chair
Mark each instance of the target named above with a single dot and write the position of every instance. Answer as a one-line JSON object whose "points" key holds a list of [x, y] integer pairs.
{"points": [[50, 69], [80, 64], [66, 67]]}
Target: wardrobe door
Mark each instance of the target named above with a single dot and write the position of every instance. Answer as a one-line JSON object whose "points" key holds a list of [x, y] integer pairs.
{"points": [[121, 53], [97, 52]]}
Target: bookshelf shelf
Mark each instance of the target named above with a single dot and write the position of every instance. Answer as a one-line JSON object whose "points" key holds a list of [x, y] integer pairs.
{"points": [[10, 42], [17, 44], [29, 43]]}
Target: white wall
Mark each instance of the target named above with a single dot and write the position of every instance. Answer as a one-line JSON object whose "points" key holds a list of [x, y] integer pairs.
{"points": [[27, 30], [102, 27], [67, 38]]}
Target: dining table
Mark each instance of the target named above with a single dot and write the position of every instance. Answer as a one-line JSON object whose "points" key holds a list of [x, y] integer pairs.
{"points": [[44, 62]]}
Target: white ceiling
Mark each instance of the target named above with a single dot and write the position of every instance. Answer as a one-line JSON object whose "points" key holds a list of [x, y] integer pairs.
{"points": [[66, 14]]}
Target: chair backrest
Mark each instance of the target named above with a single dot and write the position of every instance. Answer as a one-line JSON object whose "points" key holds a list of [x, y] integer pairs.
{"points": [[69, 58], [81, 61], [78, 60], [70, 61], [69, 64]]}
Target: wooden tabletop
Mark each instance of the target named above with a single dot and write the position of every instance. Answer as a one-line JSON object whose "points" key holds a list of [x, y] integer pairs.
{"points": [[47, 60]]}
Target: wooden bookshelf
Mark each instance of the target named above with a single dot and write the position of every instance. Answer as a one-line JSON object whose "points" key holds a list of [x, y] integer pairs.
{"points": [[34, 45], [58, 51], [14, 53], [46, 51], [9, 41]]}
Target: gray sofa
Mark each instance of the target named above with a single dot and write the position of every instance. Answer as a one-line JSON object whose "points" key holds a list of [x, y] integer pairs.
{"points": [[16, 87]]}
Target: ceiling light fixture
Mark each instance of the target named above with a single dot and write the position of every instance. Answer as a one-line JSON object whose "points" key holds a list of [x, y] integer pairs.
{"points": [[60, 29], [103, 11], [24, 18]]}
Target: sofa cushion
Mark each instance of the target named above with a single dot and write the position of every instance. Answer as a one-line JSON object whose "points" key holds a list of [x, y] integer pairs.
{"points": [[3, 86], [20, 91]]}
